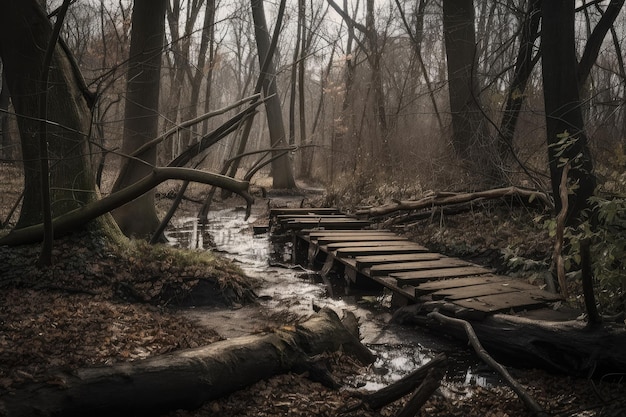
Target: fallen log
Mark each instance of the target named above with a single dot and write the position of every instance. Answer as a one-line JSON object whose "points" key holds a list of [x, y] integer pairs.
{"points": [[570, 347], [518, 388], [446, 199], [184, 379]]}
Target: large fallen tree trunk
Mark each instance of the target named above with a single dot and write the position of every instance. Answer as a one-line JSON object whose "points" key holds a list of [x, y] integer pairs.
{"points": [[570, 347], [446, 199], [184, 379]]}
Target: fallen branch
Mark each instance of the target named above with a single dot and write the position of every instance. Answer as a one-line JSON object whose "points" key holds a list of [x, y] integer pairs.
{"points": [[400, 388], [184, 379], [521, 392], [422, 394], [79, 217], [444, 199]]}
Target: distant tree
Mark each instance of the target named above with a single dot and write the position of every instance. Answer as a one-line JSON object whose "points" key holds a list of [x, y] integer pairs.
{"points": [[141, 115], [282, 172], [469, 133]]}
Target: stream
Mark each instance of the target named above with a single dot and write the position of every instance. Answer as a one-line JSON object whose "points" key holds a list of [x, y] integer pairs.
{"points": [[290, 291]]}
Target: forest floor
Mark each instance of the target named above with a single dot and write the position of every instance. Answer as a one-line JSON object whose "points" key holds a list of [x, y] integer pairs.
{"points": [[97, 306]]}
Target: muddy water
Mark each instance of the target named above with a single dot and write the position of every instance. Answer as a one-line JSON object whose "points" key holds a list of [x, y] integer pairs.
{"points": [[288, 291]]}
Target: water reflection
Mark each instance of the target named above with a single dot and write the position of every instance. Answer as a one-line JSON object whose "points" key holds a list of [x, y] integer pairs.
{"points": [[399, 349]]}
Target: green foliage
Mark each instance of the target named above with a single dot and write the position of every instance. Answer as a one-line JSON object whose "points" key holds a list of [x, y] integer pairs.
{"points": [[535, 271], [606, 229]]}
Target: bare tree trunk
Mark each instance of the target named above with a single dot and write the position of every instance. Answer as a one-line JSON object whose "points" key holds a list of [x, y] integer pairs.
{"points": [[282, 172], [524, 65], [6, 142], [141, 118], [306, 152], [469, 133], [564, 119], [24, 34]]}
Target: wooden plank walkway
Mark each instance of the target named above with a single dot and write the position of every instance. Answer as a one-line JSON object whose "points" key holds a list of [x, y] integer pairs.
{"points": [[409, 270]]}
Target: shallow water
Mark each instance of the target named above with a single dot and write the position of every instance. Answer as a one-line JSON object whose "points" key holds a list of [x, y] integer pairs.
{"points": [[285, 287]]}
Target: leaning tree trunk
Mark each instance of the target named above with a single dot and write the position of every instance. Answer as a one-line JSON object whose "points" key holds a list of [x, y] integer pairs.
{"points": [[141, 118], [25, 32]]}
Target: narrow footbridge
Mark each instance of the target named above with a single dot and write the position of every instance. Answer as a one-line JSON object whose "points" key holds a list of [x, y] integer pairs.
{"points": [[366, 256]]}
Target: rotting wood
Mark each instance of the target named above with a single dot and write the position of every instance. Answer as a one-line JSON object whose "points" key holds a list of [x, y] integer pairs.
{"points": [[560, 344], [378, 399], [368, 261], [371, 243], [521, 392], [416, 277], [184, 379], [485, 289], [393, 268], [448, 199], [432, 286], [422, 394], [513, 301]]}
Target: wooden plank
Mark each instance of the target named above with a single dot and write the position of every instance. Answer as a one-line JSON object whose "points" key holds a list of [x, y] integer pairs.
{"points": [[472, 291], [368, 261], [287, 217], [327, 224], [305, 210], [359, 238], [509, 285], [378, 250], [515, 301], [391, 269], [340, 232], [416, 277], [432, 286], [370, 243]]}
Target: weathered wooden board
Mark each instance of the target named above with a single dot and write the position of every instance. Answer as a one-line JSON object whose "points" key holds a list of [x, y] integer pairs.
{"points": [[305, 210], [339, 232], [484, 289], [368, 261], [289, 217], [378, 250], [416, 277], [346, 223], [454, 294], [432, 286], [369, 243], [357, 238], [515, 301], [389, 269]]}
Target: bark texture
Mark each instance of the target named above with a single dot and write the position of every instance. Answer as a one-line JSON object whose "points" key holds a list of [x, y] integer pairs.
{"points": [[184, 379], [141, 118]]}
